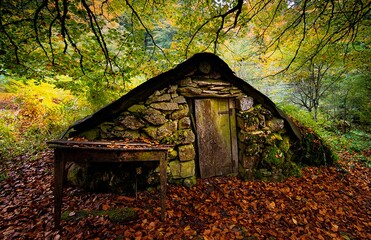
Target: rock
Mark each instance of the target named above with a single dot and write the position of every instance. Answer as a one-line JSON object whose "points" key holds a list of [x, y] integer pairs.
{"points": [[261, 118], [91, 134], [190, 182], [159, 98], [151, 131], [248, 124], [244, 103], [172, 154], [285, 145], [186, 152], [179, 99], [105, 129], [250, 161], [166, 106], [172, 89], [184, 123], [164, 131], [185, 136], [211, 82], [175, 169], [187, 82], [137, 108], [130, 134], [190, 91], [154, 117], [131, 122], [181, 113], [187, 169], [235, 91], [275, 124], [252, 149]]}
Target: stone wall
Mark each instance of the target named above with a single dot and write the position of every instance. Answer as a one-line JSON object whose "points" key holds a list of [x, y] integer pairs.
{"points": [[264, 147]]}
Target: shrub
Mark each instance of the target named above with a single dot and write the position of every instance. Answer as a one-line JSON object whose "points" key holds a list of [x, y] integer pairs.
{"points": [[36, 111]]}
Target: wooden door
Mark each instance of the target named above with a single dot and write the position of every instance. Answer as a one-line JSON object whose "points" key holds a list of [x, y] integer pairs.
{"points": [[216, 136]]}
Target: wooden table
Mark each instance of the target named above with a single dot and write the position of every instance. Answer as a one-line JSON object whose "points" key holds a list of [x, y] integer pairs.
{"points": [[86, 152]]}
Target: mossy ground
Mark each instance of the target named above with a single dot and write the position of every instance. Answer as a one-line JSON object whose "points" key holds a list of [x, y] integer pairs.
{"points": [[115, 215]]}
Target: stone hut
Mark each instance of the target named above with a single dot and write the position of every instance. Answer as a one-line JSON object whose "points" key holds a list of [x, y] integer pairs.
{"points": [[218, 123]]}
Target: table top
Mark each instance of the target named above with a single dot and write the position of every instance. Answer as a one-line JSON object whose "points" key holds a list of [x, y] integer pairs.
{"points": [[116, 145]]}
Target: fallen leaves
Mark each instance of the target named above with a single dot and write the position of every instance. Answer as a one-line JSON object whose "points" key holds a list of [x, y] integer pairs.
{"points": [[324, 204]]}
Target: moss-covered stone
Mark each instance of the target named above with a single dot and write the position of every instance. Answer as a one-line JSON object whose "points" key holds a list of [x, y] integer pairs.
{"points": [[180, 137], [166, 130], [91, 134], [165, 106], [181, 113], [151, 131], [130, 134], [273, 156], [172, 154], [186, 152], [179, 100], [190, 182], [158, 98], [276, 124], [284, 145], [131, 122], [137, 108], [187, 169], [184, 123], [175, 169], [154, 117]]}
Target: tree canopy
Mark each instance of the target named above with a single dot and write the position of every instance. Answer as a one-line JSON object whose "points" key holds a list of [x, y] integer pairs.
{"points": [[114, 30], [113, 45]]}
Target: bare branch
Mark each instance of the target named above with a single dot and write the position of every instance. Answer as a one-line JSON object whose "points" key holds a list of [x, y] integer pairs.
{"points": [[146, 29], [36, 15], [2, 29]]}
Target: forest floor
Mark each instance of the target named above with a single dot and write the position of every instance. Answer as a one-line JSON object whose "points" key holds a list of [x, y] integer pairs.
{"points": [[326, 203]]}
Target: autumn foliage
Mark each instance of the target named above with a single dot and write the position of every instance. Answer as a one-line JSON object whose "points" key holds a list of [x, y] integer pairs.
{"points": [[326, 203]]}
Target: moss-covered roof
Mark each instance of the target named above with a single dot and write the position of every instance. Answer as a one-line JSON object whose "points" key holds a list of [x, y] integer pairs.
{"points": [[181, 71]]}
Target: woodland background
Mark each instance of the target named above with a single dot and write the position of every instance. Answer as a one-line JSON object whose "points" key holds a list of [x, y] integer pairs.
{"points": [[62, 60]]}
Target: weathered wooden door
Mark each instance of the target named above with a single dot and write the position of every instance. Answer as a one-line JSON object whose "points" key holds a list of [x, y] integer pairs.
{"points": [[216, 136]]}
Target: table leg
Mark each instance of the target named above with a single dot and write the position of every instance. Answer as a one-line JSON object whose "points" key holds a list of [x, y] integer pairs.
{"points": [[58, 186], [163, 181]]}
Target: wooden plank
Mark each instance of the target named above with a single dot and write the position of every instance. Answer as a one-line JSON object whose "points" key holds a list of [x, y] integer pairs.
{"points": [[213, 136], [58, 185], [223, 156], [233, 129], [205, 139]]}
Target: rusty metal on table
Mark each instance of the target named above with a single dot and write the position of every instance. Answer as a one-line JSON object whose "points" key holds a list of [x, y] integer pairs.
{"points": [[105, 151]]}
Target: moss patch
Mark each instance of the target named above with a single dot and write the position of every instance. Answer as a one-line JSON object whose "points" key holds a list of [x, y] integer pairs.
{"points": [[116, 215]]}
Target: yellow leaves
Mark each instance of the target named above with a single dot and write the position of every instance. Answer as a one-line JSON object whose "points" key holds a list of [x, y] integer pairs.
{"points": [[334, 227], [272, 206], [187, 228]]}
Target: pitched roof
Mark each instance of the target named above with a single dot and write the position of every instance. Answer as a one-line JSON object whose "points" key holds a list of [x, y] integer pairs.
{"points": [[181, 71]]}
